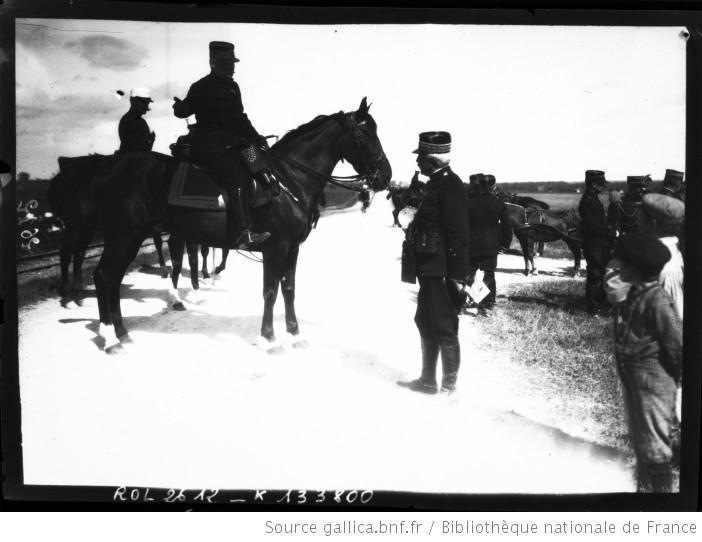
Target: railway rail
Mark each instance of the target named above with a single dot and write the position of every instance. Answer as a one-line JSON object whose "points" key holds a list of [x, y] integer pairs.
{"points": [[41, 261]]}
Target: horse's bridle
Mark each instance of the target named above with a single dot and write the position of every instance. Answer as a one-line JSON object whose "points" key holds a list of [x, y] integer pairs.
{"points": [[355, 183]]}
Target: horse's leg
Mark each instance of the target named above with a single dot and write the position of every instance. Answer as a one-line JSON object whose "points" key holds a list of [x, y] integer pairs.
{"points": [[287, 286], [272, 266], [158, 243], [66, 252], [540, 248], [223, 264], [85, 234], [107, 282], [204, 252], [575, 249], [193, 296], [523, 243], [176, 245], [530, 252], [132, 249]]}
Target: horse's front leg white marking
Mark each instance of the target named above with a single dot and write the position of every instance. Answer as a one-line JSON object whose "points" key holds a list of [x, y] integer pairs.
{"points": [[174, 299], [112, 344], [195, 297], [271, 347], [297, 341]]}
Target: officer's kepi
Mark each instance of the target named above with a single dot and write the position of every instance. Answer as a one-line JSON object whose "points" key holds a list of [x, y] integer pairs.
{"points": [[434, 143], [222, 50]]}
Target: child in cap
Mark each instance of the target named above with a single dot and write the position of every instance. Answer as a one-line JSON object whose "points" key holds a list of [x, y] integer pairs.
{"points": [[648, 351]]}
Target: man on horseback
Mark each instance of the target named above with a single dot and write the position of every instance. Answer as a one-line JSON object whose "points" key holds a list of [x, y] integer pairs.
{"points": [[134, 132], [223, 129], [439, 235]]}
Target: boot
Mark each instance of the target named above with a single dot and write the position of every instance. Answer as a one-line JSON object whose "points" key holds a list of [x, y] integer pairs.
{"points": [[661, 478], [644, 480], [243, 221], [450, 361], [426, 383]]}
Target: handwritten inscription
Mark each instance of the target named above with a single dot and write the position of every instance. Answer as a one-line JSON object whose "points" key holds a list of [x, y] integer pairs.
{"points": [[217, 496]]}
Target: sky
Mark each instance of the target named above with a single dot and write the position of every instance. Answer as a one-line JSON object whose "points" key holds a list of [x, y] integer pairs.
{"points": [[525, 103]]}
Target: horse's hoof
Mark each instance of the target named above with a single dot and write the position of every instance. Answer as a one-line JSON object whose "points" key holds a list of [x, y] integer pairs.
{"points": [[69, 303], [277, 350], [270, 346], [534, 272], [164, 273], [205, 275], [178, 306], [114, 349], [301, 344], [194, 297], [218, 269]]}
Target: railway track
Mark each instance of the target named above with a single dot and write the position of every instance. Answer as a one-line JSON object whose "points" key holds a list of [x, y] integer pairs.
{"points": [[46, 260]]}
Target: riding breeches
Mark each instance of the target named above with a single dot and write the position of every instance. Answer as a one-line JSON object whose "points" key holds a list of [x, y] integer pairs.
{"points": [[437, 310], [225, 168], [596, 258]]}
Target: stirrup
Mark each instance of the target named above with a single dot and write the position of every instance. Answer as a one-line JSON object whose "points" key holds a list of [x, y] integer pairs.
{"points": [[248, 237]]}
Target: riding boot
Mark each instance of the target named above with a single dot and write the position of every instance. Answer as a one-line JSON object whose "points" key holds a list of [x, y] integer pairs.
{"points": [[450, 361], [243, 220], [426, 383], [661, 477]]}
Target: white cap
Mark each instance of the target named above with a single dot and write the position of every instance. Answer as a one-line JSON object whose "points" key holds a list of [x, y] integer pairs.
{"points": [[140, 92]]}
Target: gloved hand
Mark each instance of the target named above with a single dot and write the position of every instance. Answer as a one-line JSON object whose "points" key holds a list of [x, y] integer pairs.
{"points": [[152, 137], [180, 108]]}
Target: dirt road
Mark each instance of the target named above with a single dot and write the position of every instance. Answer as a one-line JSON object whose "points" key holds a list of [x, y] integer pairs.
{"points": [[194, 402]]}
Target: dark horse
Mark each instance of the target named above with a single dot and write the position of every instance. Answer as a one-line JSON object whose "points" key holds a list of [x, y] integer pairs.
{"points": [[538, 225], [404, 196], [71, 196], [528, 203], [304, 159]]}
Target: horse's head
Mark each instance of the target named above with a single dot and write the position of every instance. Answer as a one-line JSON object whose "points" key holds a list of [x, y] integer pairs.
{"points": [[361, 147]]}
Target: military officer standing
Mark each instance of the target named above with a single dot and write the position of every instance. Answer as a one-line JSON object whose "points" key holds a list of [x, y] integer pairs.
{"points": [[440, 236], [134, 132], [596, 239], [624, 216], [487, 215], [223, 129]]}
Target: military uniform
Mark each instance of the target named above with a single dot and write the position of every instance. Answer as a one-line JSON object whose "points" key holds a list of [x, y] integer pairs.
{"points": [[624, 216], [222, 131], [596, 239], [440, 221], [487, 215], [134, 133], [648, 351]]}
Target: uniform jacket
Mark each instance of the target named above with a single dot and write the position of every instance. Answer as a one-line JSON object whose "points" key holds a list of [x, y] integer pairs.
{"points": [[487, 213], [648, 331], [444, 210], [221, 121], [595, 230], [134, 133]]}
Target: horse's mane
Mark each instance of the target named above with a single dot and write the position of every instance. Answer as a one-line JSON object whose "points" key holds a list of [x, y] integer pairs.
{"points": [[308, 126]]}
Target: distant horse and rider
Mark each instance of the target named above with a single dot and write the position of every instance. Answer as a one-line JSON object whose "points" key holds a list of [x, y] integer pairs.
{"points": [[130, 195], [406, 196]]}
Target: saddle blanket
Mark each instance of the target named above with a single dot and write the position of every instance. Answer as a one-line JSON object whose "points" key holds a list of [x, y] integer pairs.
{"points": [[192, 187]]}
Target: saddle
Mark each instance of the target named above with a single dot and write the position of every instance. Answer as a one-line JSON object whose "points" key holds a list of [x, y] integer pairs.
{"points": [[193, 188]]}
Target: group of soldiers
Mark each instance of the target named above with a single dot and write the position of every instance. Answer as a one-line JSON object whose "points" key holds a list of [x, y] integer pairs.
{"points": [[221, 131], [631, 213], [457, 230]]}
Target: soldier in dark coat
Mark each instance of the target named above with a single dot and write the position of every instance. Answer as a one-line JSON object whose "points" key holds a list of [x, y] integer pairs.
{"points": [[596, 239], [673, 184], [440, 233], [134, 132], [487, 214], [624, 216], [223, 129]]}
